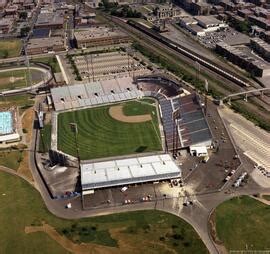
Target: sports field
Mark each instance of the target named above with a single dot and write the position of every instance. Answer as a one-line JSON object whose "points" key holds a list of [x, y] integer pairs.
{"points": [[242, 223], [11, 79], [121, 129]]}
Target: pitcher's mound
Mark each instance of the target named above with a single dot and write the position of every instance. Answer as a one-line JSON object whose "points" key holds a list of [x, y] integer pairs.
{"points": [[116, 112]]}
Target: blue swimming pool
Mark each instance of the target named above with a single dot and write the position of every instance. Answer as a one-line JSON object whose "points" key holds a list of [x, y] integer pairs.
{"points": [[6, 123]]}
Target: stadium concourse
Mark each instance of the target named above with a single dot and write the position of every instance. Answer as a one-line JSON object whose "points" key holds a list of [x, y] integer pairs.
{"points": [[185, 130]]}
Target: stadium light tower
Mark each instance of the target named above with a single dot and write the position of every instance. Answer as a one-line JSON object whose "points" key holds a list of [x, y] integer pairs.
{"points": [[175, 117], [27, 64], [74, 129]]}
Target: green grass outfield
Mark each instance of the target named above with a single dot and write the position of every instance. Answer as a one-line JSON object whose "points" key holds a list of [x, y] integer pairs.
{"points": [[156, 232], [243, 222], [99, 135]]}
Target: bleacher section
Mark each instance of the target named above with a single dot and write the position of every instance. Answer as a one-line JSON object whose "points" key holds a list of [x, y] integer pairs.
{"points": [[194, 129], [95, 93]]}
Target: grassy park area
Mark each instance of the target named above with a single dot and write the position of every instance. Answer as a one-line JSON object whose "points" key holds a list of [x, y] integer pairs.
{"points": [[100, 135], [133, 232], [10, 48], [11, 159], [51, 61], [242, 223], [23, 102]]}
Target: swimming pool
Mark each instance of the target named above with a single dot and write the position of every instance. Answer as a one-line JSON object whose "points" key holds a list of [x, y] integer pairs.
{"points": [[6, 123]]}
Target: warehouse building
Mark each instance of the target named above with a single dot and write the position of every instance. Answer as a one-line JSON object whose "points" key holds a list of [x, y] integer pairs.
{"points": [[99, 36], [261, 47], [244, 59], [210, 23], [45, 45], [48, 19]]}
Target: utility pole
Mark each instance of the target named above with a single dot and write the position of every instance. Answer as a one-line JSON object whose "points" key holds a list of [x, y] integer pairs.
{"points": [[175, 117], [198, 70], [205, 96]]}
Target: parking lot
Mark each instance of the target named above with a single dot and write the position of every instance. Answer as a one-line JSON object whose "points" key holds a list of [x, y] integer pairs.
{"points": [[108, 65], [140, 193], [228, 35]]}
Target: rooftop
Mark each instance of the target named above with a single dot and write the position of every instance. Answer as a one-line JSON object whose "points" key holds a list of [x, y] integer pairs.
{"points": [[128, 171], [98, 32], [45, 42], [48, 18], [208, 20]]}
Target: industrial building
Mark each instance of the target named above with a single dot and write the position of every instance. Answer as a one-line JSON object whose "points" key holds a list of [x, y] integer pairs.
{"points": [[99, 36], [261, 47], [210, 23], [6, 25], [201, 25], [244, 59], [45, 45], [48, 19]]}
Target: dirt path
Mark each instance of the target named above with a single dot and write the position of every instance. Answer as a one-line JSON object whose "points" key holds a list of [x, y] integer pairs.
{"points": [[116, 112], [83, 248], [27, 124], [126, 244]]}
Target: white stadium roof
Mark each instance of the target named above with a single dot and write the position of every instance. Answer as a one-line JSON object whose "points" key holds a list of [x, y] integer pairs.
{"points": [[128, 171]]}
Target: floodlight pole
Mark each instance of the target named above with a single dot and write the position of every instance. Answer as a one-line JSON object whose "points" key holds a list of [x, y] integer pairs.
{"points": [[74, 129]]}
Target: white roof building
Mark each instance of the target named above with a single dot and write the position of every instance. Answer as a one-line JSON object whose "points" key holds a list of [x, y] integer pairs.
{"points": [[128, 171]]}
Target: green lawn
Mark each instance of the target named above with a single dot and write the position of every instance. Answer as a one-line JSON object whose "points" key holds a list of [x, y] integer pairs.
{"points": [[21, 101], [45, 138], [99, 135], [11, 159], [51, 61], [243, 222], [145, 231], [10, 48], [18, 78]]}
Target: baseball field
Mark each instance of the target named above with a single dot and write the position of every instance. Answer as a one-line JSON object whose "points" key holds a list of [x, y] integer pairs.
{"points": [[119, 129]]}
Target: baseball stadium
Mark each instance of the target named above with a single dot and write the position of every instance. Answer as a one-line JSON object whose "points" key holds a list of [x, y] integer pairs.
{"points": [[126, 130]]}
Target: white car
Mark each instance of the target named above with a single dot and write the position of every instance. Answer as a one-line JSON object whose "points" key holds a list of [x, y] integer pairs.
{"points": [[124, 189]]}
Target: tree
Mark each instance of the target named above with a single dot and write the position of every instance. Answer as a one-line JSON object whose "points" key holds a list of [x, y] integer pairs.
{"points": [[23, 15], [25, 31]]}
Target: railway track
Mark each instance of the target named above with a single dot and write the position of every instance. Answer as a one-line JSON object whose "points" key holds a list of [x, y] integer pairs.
{"points": [[225, 84], [192, 55]]}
